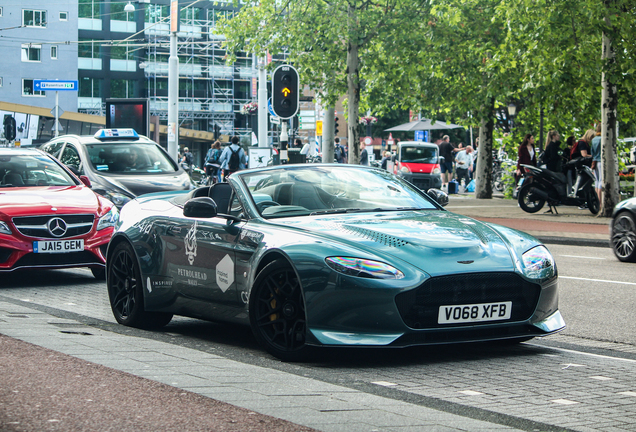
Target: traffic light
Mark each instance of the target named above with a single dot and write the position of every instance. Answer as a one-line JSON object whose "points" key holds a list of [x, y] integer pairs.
{"points": [[9, 128], [335, 126], [217, 131], [285, 91]]}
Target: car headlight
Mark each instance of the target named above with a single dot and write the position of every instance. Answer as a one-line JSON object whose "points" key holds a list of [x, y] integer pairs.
{"points": [[109, 219], [118, 199], [405, 170], [363, 268], [436, 170], [4, 228], [538, 263]]}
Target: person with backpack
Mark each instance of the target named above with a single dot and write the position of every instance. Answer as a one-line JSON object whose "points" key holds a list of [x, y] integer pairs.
{"points": [[212, 165], [187, 160], [339, 152], [233, 158]]}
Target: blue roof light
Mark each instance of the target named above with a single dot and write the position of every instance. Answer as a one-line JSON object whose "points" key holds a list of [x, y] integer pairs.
{"points": [[105, 134]]}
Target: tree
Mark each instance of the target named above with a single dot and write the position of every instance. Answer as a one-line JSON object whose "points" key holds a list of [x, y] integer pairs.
{"points": [[328, 40]]}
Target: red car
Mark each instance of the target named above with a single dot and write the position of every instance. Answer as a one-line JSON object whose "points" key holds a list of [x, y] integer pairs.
{"points": [[48, 217]]}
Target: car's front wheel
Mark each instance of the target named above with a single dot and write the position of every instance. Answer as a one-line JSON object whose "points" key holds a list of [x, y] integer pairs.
{"points": [[277, 312], [125, 290], [624, 237]]}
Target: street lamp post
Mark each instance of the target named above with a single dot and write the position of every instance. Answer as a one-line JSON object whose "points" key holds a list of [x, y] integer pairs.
{"points": [[173, 83], [512, 110]]}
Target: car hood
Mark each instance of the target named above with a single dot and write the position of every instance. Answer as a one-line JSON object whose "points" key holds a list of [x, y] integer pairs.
{"points": [[135, 185], [436, 242], [25, 201]]}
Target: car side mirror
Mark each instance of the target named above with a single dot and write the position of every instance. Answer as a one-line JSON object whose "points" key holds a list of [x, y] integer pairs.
{"points": [[86, 181], [201, 207], [439, 196]]}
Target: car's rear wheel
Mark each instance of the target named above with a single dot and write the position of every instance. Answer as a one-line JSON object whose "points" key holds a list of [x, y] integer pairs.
{"points": [[125, 290], [277, 312], [624, 237], [528, 202]]}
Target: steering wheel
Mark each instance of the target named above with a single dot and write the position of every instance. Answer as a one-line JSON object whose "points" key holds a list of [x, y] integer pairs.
{"points": [[265, 204]]}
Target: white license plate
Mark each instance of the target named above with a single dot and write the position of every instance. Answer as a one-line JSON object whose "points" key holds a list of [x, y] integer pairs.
{"points": [[474, 313], [58, 246]]}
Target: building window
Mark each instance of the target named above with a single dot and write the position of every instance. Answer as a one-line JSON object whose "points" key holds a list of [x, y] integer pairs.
{"points": [[117, 12], [27, 88], [0, 78], [0, 11], [88, 9], [90, 87], [122, 89], [63, 16], [54, 52], [33, 18], [120, 52], [31, 52], [156, 13], [86, 48]]}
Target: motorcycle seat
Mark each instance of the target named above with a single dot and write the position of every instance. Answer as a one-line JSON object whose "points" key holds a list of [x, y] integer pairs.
{"points": [[559, 177]]}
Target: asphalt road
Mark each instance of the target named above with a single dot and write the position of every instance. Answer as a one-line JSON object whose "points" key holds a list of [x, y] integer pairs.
{"points": [[582, 379]]}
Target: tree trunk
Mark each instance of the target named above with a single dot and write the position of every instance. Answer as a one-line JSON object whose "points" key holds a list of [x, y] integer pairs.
{"points": [[353, 93], [609, 102], [483, 178]]}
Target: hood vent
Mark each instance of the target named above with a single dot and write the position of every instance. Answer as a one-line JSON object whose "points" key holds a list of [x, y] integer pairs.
{"points": [[385, 239]]}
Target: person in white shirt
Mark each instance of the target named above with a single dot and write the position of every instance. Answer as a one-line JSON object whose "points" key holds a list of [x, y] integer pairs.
{"points": [[463, 165]]}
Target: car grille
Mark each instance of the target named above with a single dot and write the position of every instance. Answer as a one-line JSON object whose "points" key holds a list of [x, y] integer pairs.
{"points": [[62, 259], [36, 226], [419, 307]]}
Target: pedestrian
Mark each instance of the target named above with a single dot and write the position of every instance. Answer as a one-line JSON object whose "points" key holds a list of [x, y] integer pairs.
{"points": [[212, 157], [595, 147], [339, 151], [582, 146], [463, 165], [187, 160], [551, 156], [567, 169], [446, 151], [298, 143], [385, 160], [364, 156], [527, 155], [233, 158]]}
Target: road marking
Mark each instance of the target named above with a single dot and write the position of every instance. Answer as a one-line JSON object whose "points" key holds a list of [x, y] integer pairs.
{"points": [[470, 392], [601, 378], [584, 257], [384, 383], [597, 280], [584, 353], [569, 365], [564, 401], [628, 393]]}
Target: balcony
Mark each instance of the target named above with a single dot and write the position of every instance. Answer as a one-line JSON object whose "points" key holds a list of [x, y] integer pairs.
{"points": [[123, 65], [89, 63], [89, 24], [123, 26]]}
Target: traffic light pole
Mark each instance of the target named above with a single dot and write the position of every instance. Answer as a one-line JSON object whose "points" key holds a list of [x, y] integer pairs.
{"points": [[262, 103], [283, 142]]}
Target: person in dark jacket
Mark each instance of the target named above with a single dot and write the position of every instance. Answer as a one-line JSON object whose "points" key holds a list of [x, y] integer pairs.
{"points": [[527, 155], [552, 155]]}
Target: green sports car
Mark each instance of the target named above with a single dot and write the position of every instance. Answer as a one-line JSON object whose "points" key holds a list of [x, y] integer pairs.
{"points": [[316, 255]]}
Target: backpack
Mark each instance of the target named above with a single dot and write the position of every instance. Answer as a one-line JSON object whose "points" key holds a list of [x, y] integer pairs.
{"points": [[188, 158], [214, 157], [338, 153], [235, 160]]}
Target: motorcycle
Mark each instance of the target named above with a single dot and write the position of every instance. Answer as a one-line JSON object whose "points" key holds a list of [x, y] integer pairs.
{"points": [[540, 186]]}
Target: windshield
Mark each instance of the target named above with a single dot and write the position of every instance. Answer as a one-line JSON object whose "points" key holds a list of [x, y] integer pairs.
{"points": [[129, 158], [419, 155], [32, 170], [311, 190]]}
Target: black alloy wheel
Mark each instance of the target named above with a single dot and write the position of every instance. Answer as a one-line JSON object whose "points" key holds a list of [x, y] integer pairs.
{"points": [[624, 237], [125, 290], [528, 203], [593, 203], [277, 312]]}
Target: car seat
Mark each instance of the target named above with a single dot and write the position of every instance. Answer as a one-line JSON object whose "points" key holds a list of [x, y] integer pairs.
{"points": [[221, 193], [13, 179]]}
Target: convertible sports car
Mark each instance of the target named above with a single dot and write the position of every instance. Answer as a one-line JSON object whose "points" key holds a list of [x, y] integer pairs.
{"points": [[328, 255], [49, 218], [623, 230]]}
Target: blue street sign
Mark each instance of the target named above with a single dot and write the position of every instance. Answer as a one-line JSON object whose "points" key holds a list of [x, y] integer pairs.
{"points": [[426, 136], [269, 107], [54, 85], [419, 135]]}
